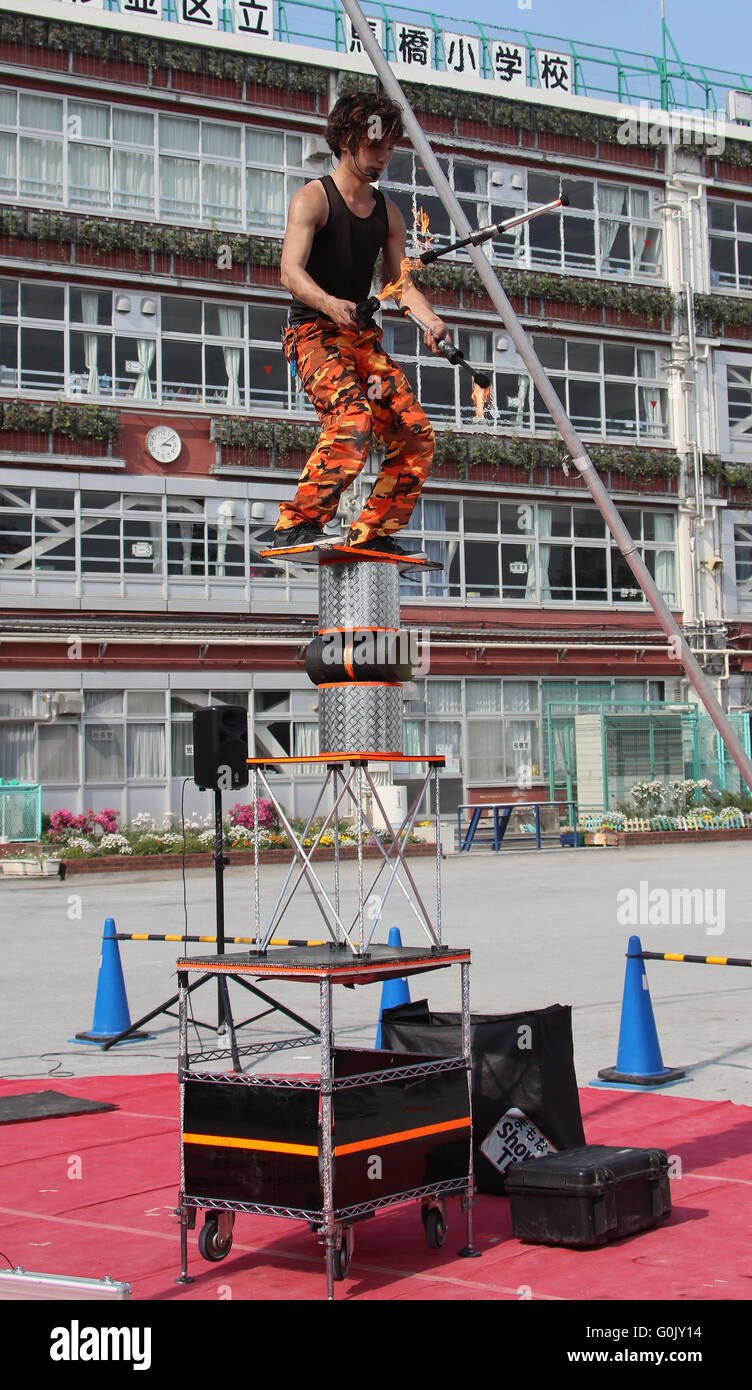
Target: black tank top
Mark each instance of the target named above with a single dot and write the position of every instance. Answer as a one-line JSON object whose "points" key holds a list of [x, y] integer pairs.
{"points": [[344, 252]]}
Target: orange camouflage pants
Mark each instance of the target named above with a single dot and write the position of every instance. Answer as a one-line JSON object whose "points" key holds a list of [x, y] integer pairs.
{"points": [[357, 389]]}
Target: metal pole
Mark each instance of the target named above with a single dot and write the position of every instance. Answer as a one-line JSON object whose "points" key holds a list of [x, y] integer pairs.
{"points": [[678, 646]]}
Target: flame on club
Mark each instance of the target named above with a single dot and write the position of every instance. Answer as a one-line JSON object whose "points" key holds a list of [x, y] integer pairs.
{"points": [[394, 289], [481, 399], [421, 227]]}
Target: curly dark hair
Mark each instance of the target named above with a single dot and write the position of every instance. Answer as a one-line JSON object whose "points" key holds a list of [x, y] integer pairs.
{"points": [[353, 118]]}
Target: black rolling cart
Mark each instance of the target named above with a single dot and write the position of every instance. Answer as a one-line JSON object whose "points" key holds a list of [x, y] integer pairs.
{"points": [[372, 1130]]}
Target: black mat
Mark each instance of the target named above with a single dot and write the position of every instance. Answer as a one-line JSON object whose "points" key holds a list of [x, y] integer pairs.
{"points": [[46, 1105]]}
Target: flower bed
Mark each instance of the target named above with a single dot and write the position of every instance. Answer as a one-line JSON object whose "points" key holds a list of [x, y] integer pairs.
{"points": [[703, 825], [95, 842]]}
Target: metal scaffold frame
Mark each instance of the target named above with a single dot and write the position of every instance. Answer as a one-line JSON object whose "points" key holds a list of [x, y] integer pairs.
{"points": [[349, 780]]}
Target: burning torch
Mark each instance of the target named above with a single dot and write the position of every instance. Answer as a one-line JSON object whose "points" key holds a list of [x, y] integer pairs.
{"points": [[367, 307], [485, 233]]}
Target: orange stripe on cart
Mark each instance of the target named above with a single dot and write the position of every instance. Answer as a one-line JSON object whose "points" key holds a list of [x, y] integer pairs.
{"points": [[223, 1141], [227, 1141], [379, 1140]]}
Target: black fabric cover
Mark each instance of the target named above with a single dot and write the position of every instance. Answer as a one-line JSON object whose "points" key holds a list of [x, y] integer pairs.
{"points": [[46, 1105], [524, 1060]]}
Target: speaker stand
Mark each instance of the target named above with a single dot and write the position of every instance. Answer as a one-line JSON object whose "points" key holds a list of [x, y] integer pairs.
{"points": [[225, 1027]]}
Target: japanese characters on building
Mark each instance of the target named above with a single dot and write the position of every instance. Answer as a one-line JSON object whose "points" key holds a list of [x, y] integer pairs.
{"points": [[414, 46]]}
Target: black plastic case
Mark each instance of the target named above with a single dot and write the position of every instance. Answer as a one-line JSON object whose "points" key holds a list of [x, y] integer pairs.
{"points": [[585, 1197]]}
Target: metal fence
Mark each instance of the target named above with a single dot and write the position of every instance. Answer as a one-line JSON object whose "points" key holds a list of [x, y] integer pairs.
{"points": [[610, 74], [598, 750], [20, 811]]}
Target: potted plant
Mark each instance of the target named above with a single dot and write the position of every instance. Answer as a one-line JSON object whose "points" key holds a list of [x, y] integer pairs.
{"points": [[19, 864], [568, 836]]}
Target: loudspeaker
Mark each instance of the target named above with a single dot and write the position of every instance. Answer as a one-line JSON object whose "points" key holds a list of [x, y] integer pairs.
{"points": [[220, 747]]}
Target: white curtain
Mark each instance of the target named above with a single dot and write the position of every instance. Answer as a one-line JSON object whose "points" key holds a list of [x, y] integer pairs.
{"points": [[305, 740], [146, 350], [133, 181], [89, 314], [265, 147], [40, 165], [147, 752], [443, 697], [178, 186], [186, 538], [221, 192], [520, 697], [477, 348], [266, 197], [17, 752], [89, 174], [483, 697], [225, 512], [664, 559], [610, 205], [545, 521], [639, 241], [231, 326], [14, 704], [651, 415], [133, 127], [7, 163], [434, 519]]}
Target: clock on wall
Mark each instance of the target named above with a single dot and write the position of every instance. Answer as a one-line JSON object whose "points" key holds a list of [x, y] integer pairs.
{"points": [[164, 444]]}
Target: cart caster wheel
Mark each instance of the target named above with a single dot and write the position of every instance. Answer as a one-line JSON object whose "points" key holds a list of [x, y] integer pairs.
{"points": [[210, 1247], [435, 1228], [341, 1262]]}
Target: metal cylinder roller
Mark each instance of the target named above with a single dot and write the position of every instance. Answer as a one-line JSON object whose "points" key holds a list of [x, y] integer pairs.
{"points": [[360, 718], [360, 594], [359, 657]]}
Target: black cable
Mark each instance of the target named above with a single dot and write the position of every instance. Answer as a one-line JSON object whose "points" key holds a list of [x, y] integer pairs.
{"points": [[5, 1257]]}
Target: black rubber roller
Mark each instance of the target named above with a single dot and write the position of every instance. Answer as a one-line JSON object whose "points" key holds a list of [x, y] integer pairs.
{"points": [[363, 654]]}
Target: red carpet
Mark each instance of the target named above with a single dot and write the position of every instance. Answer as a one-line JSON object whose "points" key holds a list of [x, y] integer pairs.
{"points": [[95, 1195]]}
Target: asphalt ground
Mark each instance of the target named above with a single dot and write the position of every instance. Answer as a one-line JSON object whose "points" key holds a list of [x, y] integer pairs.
{"points": [[543, 927]]}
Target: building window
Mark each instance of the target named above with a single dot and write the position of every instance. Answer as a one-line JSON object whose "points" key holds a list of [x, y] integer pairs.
{"points": [[609, 390], [730, 237], [607, 229], [743, 554], [109, 158], [194, 351], [59, 757], [541, 552]]}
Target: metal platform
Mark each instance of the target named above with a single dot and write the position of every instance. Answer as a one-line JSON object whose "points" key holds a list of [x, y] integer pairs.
{"points": [[349, 780]]}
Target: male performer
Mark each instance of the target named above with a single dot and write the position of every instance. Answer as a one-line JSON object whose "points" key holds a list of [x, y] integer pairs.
{"points": [[336, 228]]}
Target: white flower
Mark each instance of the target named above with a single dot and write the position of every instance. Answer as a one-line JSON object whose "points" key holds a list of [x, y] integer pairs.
{"points": [[115, 844], [81, 842]]}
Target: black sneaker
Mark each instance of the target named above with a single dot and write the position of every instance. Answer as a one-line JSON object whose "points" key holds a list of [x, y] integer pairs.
{"points": [[303, 534], [385, 545]]}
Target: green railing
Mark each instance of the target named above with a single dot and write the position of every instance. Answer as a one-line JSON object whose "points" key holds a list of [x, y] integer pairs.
{"points": [[612, 74], [20, 811]]}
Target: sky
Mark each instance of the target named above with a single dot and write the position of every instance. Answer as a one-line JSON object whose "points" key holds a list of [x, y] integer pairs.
{"points": [[719, 35]]}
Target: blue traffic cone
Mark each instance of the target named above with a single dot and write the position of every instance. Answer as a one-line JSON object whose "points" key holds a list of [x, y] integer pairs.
{"points": [[111, 1015], [639, 1064], [393, 992]]}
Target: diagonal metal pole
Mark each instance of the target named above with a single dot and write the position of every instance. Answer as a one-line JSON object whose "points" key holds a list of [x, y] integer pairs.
{"points": [[677, 644]]}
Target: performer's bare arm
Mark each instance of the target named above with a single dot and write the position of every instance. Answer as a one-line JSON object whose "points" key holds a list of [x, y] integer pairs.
{"points": [[308, 213], [411, 297]]}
